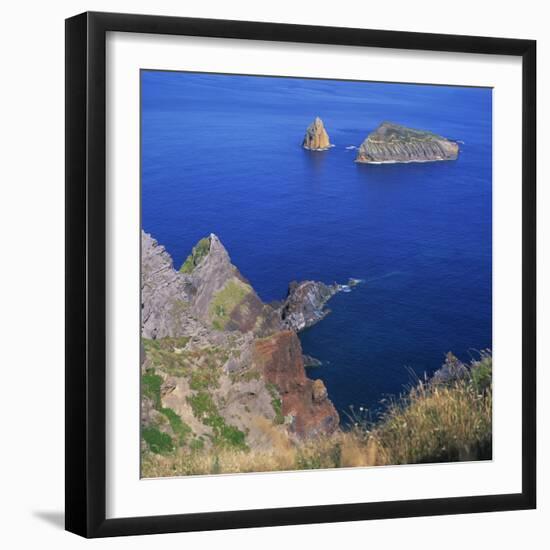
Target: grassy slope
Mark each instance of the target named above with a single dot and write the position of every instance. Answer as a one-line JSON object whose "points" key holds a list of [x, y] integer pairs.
{"points": [[201, 368], [431, 423], [226, 300], [440, 422], [389, 132]]}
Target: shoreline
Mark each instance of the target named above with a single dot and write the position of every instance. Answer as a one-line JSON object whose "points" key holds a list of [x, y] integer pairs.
{"points": [[401, 161]]}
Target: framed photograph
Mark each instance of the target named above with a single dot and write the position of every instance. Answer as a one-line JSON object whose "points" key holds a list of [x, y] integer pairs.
{"points": [[300, 274]]}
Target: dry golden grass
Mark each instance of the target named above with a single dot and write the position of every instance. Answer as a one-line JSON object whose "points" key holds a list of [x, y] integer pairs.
{"points": [[319, 453], [432, 423], [222, 461], [437, 424]]}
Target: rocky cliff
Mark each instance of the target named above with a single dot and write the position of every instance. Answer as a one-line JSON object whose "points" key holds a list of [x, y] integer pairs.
{"points": [[316, 138], [220, 368], [451, 370], [164, 293], [220, 295], [305, 304], [391, 143], [305, 404]]}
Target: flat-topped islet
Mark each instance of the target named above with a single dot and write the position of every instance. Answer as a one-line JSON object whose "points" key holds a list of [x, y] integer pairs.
{"points": [[316, 138], [391, 143]]}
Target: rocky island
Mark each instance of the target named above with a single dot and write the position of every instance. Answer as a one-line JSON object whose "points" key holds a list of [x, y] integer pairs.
{"points": [[391, 143], [316, 138]]}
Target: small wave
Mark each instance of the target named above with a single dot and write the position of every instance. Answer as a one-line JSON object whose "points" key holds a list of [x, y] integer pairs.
{"points": [[390, 274], [352, 282], [351, 147]]}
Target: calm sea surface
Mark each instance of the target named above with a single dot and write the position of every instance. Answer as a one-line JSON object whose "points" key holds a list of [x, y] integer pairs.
{"points": [[222, 154]]}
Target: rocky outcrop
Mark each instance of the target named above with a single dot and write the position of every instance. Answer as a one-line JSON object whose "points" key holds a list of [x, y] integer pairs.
{"points": [[218, 364], [453, 369], [211, 270], [392, 143], [221, 296], [316, 138], [305, 304], [319, 391], [207, 288], [164, 293], [311, 362], [305, 405]]}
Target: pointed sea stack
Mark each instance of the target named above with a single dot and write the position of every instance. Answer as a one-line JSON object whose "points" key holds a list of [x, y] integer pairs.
{"points": [[221, 296], [391, 143], [316, 138]]}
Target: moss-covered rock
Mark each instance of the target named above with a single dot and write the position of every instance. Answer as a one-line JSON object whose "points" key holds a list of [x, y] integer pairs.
{"points": [[200, 250], [226, 300]]}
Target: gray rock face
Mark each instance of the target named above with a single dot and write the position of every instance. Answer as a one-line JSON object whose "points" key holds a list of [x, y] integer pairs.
{"points": [[223, 298], [316, 138], [453, 369], [164, 292], [211, 275], [391, 143], [211, 293], [305, 304], [311, 362]]}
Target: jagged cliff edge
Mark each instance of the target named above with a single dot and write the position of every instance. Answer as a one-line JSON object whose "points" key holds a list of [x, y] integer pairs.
{"points": [[226, 364]]}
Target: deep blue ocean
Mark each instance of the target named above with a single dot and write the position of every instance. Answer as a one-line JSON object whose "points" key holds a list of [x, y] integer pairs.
{"points": [[223, 154]]}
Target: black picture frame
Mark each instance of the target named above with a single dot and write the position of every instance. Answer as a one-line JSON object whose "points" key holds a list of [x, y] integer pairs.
{"points": [[86, 269]]}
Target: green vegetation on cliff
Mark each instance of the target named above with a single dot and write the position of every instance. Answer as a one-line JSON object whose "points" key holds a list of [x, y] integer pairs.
{"points": [[276, 403], [206, 411], [150, 386], [157, 441], [435, 421], [226, 301], [200, 250], [389, 132], [200, 365], [179, 427]]}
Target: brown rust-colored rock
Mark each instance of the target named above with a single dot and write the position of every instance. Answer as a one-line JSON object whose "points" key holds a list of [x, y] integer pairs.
{"points": [[319, 391], [303, 400], [316, 138]]}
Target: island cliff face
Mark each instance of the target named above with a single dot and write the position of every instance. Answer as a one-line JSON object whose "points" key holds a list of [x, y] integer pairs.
{"points": [[219, 367], [316, 138], [391, 143]]}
